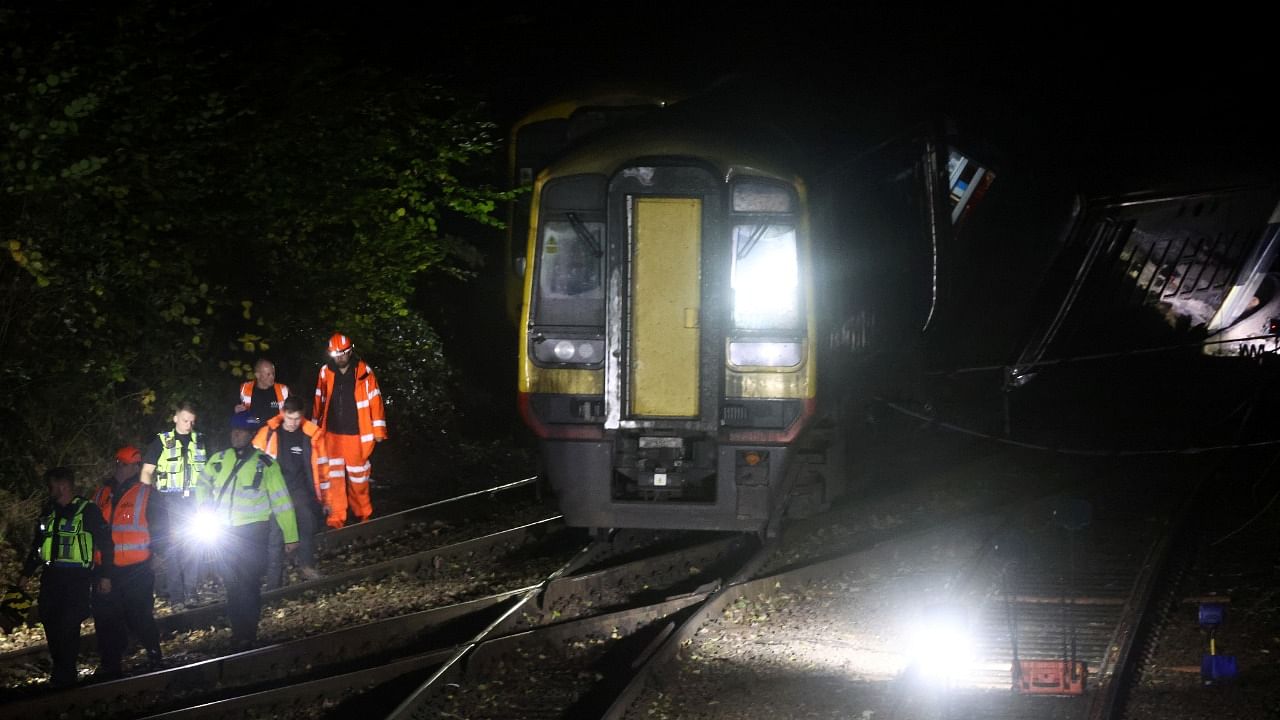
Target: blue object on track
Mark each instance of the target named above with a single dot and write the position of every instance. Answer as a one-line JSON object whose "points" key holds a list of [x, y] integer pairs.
{"points": [[1216, 669], [1212, 614]]}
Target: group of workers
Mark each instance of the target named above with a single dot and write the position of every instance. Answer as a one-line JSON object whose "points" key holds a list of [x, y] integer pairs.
{"points": [[246, 507]]}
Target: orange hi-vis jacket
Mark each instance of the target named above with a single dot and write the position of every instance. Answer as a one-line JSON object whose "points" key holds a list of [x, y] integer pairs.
{"points": [[268, 441], [373, 421], [128, 520], [246, 393]]}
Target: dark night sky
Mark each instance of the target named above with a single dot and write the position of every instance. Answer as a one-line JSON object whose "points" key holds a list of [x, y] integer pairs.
{"points": [[1051, 81]]}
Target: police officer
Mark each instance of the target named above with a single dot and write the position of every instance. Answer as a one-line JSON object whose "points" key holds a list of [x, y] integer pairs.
{"points": [[239, 491], [130, 509], [172, 464], [69, 532]]}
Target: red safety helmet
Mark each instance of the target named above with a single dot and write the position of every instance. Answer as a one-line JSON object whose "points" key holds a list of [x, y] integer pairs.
{"points": [[339, 344], [128, 455]]}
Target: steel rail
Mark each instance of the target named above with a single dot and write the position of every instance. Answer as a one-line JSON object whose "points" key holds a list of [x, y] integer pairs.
{"points": [[1138, 616], [211, 614], [675, 562], [742, 586], [312, 693], [524, 625], [315, 693], [664, 638], [303, 657], [450, 509], [666, 573], [540, 599], [384, 640], [423, 630], [423, 693], [377, 527]]}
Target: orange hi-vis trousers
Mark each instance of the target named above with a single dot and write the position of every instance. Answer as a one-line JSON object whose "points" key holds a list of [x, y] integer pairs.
{"points": [[348, 479]]}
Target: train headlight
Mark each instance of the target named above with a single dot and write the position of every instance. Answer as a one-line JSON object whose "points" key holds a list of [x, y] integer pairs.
{"points": [[766, 277], [565, 350], [207, 527], [765, 354]]}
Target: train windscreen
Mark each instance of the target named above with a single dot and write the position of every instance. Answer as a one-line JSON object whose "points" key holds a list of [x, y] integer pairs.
{"points": [[570, 277]]}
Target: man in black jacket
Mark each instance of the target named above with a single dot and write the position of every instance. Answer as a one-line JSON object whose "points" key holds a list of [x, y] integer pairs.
{"points": [[68, 533]]}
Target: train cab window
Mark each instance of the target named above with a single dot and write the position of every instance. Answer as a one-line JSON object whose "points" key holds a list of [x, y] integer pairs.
{"points": [[571, 273], [766, 277]]}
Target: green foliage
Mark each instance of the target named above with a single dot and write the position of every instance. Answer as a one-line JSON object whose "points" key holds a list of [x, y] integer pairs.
{"points": [[412, 365], [17, 520], [172, 209]]}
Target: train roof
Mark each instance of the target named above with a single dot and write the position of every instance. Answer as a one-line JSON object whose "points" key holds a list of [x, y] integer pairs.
{"points": [[604, 95], [730, 149]]}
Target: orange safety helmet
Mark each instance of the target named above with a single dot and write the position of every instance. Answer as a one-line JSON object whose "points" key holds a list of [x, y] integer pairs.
{"points": [[339, 343], [128, 455]]}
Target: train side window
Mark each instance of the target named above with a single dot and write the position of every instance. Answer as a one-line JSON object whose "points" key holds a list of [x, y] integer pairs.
{"points": [[570, 274], [766, 277]]}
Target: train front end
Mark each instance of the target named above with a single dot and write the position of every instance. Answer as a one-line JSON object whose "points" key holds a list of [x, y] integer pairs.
{"points": [[667, 355]]}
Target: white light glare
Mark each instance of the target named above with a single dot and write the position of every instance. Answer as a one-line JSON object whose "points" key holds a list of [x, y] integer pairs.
{"points": [[941, 644], [206, 527], [766, 278]]}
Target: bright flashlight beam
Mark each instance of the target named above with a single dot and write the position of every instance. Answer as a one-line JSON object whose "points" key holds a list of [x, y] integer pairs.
{"points": [[206, 527]]}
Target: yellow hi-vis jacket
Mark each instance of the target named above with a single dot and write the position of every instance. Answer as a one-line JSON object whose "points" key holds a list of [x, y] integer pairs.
{"points": [[242, 491], [176, 470], [67, 543]]}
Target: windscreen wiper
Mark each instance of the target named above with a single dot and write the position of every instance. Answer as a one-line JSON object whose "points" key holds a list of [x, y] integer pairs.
{"points": [[584, 234], [754, 238]]}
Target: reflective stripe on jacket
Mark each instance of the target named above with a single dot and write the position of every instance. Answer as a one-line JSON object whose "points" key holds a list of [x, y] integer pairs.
{"points": [[128, 520], [74, 544], [246, 394], [255, 494], [268, 441], [176, 470], [369, 411]]}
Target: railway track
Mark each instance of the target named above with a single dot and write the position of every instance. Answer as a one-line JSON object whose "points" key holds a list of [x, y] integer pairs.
{"points": [[806, 627], [323, 669], [1083, 595], [594, 667], [404, 529], [592, 638]]}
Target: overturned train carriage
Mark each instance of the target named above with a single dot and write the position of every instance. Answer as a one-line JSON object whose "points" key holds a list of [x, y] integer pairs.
{"points": [[1152, 269], [667, 360]]}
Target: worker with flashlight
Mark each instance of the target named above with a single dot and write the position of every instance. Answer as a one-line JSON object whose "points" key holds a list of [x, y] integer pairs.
{"points": [[240, 492]]}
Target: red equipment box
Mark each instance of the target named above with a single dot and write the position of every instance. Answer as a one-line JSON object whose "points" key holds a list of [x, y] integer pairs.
{"points": [[1049, 677]]}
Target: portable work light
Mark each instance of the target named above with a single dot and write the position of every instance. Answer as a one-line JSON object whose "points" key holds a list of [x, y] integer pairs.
{"points": [[941, 644], [207, 527]]}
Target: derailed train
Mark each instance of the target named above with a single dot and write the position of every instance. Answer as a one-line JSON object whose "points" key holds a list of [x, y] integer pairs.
{"points": [[673, 326], [695, 354]]}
